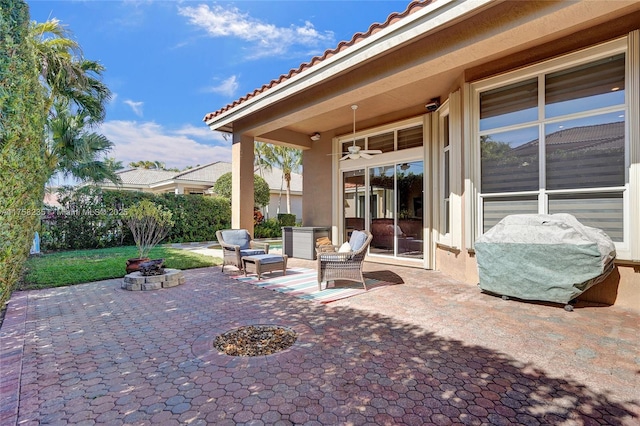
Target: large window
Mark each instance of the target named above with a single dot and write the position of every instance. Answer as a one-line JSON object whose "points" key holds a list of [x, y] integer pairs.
{"points": [[554, 141], [445, 213]]}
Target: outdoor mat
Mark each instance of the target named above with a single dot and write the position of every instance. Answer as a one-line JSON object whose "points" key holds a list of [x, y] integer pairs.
{"points": [[303, 283]]}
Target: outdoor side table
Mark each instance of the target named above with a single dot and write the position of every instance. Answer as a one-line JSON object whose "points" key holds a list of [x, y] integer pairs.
{"points": [[262, 263]]}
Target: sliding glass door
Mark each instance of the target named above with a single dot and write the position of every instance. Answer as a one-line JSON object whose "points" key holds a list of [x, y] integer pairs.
{"points": [[409, 201], [354, 193], [382, 209], [396, 209]]}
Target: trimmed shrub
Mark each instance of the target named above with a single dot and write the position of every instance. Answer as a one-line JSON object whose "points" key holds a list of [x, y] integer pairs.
{"points": [[269, 228], [287, 219], [197, 218], [93, 218], [22, 121], [261, 191]]}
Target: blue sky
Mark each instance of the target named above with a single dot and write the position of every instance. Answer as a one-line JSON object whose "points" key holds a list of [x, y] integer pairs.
{"points": [[168, 63]]}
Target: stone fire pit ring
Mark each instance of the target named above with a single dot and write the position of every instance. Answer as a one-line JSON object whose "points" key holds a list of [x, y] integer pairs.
{"points": [[135, 281]]}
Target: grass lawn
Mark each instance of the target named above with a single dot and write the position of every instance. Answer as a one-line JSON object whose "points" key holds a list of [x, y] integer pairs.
{"points": [[82, 266]]}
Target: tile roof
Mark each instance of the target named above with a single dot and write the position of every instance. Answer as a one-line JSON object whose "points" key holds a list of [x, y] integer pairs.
{"points": [[208, 174], [343, 45], [598, 136], [144, 176]]}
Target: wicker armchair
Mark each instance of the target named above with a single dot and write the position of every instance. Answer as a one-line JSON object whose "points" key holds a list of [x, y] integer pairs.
{"points": [[237, 243], [333, 264]]}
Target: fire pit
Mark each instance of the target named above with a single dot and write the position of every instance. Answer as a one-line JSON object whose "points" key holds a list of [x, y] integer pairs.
{"points": [[152, 267], [152, 276]]}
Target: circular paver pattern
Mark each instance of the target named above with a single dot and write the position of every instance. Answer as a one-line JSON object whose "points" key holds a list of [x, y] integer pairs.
{"points": [[204, 348]]}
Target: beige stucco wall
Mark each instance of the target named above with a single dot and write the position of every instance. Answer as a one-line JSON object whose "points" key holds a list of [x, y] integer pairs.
{"points": [[242, 183], [458, 264], [621, 288], [317, 200], [503, 37]]}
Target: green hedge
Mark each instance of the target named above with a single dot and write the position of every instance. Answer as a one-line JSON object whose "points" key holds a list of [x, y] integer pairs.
{"points": [[287, 219], [269, 228], [91, 217], [22, 122]]}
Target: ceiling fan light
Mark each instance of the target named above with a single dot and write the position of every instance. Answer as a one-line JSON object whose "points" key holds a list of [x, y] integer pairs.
{"points": [[355, 151]]}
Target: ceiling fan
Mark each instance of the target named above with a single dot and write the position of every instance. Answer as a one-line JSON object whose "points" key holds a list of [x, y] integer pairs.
{"points": [[355, 151]]}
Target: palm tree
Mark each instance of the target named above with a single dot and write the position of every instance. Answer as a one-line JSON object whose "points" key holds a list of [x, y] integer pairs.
{"points": [[66, 73], [74, 151], [289, 160], [76, 101], [146, 164], [113, 164]]}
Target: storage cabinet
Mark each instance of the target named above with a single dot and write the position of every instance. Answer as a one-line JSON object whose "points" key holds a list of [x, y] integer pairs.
{"points": [[300, 242]]}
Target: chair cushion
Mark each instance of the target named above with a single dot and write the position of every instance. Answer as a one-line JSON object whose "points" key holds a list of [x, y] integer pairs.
{"points": [[357, 240], [252, 252], [346, 247], [268, 258], [237, 237]]}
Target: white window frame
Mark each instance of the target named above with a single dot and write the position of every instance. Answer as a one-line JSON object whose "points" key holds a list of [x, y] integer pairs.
{"points": [[444, 113], [451, 107], [629, 248], [347, 139]]}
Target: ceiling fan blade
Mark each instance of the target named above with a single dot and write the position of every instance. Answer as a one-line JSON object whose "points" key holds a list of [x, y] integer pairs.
{"points": [[354, 156], [365, 155], [345, 157], [371, 151]]}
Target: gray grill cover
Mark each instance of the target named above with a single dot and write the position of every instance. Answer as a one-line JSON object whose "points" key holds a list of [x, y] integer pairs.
{"points": [[551, 258]]}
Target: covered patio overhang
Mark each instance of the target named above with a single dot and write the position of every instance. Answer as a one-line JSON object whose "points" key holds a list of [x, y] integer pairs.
{"points": [[391, 72]]}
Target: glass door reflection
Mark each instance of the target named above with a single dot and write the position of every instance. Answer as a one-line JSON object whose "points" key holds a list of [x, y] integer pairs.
{"points": [[382, 209], [353, 192], [410, 223]]}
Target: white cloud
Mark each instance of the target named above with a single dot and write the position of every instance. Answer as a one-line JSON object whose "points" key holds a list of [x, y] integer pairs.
{"points": [[135, 106], [227, 87], [135, 141], [200, 132], [267, 39]]}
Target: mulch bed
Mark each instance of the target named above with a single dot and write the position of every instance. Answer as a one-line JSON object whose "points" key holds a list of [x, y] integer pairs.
{"points": [[255, 340]]}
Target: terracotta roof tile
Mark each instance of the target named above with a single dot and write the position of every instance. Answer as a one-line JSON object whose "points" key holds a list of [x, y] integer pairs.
{"points": [[343, 45]]}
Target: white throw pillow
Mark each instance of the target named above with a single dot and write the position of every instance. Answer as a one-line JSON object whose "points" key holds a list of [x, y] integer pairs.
{"points": [[344, 248]]}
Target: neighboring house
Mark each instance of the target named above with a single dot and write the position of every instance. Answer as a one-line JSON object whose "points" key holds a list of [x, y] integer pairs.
{"points": [[481, 109], [201, 179]]}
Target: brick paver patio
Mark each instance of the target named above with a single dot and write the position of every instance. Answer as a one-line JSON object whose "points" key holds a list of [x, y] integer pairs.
{"points": [[427, 351]]}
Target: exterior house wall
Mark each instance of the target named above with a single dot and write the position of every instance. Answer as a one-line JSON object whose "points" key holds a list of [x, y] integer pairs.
{"points": [[276, 200], [318, 193], [391, 84], [620, 288]]}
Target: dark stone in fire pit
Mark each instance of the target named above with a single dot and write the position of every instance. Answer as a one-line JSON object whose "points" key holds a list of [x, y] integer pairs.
{"points": [[152, 267]]}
